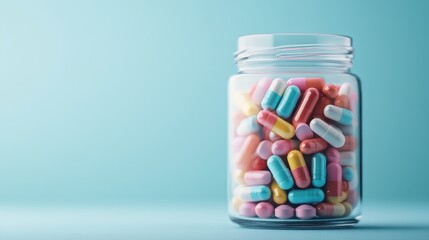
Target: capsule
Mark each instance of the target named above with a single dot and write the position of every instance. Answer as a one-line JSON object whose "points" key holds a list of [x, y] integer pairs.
{"points": [[248, 126], [309, 195], [334, 184], [329, 133], [347, 159], [345, 89], [305, 83], [333, 155], [280, 172], [288, 102], [246, 105], [272, 136], [342, 101], [247, 209], [348, 207], [330, 210], [330, 91], [306, 106], [274, 94], [320, 106], [260, 90], [299, 169], [264, 149], [282, 147], [303, 132], [259, 164], [349, 144], [239, 176], [279, 195], [276, 124], [313, 145], [247, 152], [254, 193], [349, 174], [253, 178], [284, 211], [340, 115], [318, 170]]}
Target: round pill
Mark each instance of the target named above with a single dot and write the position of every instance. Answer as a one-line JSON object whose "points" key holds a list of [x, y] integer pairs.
{"points": [[305, 211], [284, 211], [247, 209], [264, 210]]}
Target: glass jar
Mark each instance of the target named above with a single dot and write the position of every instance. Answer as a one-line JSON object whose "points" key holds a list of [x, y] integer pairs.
{"points": [[294, 132]]}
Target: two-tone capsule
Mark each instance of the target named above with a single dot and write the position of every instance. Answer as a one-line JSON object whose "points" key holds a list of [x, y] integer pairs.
{"points": [[306, 83], [280, 172], [276, 124], [313, 145], [278, 194], [299, 168], [330, 210], [340, 115], [329, 133], [334, 185], [246, 105], [274, 94], [318, 170], [288, 102], [254, 193], [309, 195], [248, 125]]}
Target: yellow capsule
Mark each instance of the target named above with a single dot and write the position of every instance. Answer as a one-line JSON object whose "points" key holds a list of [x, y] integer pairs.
{"points": [[299, 169], [276, 124], [295, 160], [246, 105], [348, 207], [279, 195]]}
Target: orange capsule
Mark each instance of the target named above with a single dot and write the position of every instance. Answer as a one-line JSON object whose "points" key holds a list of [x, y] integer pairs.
{"points": [[342, 101], [247, 152], [330, 91], [349, 145], [306, 106], [313, 145]]}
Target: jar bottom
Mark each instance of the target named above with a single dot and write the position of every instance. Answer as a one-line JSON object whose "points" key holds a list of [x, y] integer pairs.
{"points": [[297, 224]]}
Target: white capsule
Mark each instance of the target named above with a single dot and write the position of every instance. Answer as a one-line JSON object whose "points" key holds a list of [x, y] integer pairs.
{"points": [[329, 133], [341, 115], [345, 89]]}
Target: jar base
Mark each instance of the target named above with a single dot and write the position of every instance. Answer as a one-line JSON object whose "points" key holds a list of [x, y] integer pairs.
{"points": [[297, 224]]}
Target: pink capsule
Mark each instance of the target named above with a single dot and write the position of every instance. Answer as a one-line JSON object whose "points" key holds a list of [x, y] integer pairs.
{"points": [[237, 143], [333, 155], [306, 83], [303, 132], [284, 212], [247, 152], [264, 149], [253, 178], [313, 145], [281, 147], [260, 90], [335, 182], [264, 210], [247, 209], [349, 145], [305, 211]]}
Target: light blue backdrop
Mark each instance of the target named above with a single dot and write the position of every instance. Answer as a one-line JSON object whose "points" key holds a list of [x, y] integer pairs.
{"points": [[124, 102]]}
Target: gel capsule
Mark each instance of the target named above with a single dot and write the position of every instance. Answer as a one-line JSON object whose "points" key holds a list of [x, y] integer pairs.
{"points": [[342, 101], [244, 102], [279, 195], [280, 172], [331, 134], [282, 147], [320, 106], [330, 210], [247, 209], [309, 195], [303, 132], [276, 124], [349, 174], [333, 155], [340, 115], [345, 89], [306, 106], [318, 170], [259, 164], [299, 169], [247, 152], [313, 145], [348, 208], [261, 89], [264, 149], [274, 94], [248, 125], [288, 102], [305, 83], [330, 91], [334, 184], [253, 178], [254, 193]]}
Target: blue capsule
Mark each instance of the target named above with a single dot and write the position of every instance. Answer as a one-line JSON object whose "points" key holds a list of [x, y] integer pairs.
{"points": [[274, 94], [340, 115], [288, 103], [309, 195], [318, 170], [254, 193], [348, 174], [280, 172]]}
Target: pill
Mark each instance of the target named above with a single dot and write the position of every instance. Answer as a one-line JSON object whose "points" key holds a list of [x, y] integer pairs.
{"points": [[303, 132], [329, 133], [320, 106], [318, 170], [274, 94], [348, 173], [237, 144], [347, 158], [334, 182], [353, 197], [340, 115], [345, 186], [349, 144], [273, 137], [248, 107], [261, 89], [330, 210], [254, 193], [253, 178], [264, 210], [333, 155], [345, 89], [264, 149], [309, 195], [305, 212], [259, 164], [279, 195], [239, 176], [247, 152], [330, 91], [298, 168], [247, 209], [288, 102], [276, 124], [282, 147], [313, 145], [305, 83], [354, 182], [342, 101], [305, 107], [348, 208], [284, 212], [248, 126], [235, 203], [343, 196], [280, 172]]}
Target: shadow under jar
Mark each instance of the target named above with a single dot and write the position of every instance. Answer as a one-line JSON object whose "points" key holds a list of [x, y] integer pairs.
{"points": [[294, 132]]}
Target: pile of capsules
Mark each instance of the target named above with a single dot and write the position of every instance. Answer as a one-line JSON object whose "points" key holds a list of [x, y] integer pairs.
{"points": [[294, 150]]}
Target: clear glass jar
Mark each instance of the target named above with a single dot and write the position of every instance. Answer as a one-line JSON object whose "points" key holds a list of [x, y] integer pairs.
{"points": [[294, 132]]}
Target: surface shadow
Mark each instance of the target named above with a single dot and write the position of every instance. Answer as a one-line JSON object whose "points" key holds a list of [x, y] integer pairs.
{"points": [[392, 227]]}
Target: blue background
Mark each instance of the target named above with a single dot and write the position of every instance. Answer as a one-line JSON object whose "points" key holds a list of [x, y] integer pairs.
{"points": [[124, 102]]}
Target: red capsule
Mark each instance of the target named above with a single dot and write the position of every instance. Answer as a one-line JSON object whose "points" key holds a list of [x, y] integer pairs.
{"points": [[349, 145], [319, 108], [313, 145], [342, 101], [330, 210], [334, 188], [330, 91], [306, 106], [259, 164]]}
